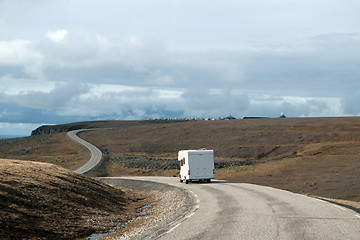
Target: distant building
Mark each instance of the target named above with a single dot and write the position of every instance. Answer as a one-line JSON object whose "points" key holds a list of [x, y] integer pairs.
{"points": [[254, 117], [230, 117]]}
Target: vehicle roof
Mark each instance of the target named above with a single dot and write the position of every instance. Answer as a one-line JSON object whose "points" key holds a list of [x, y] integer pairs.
{"points": [[197, 151]]}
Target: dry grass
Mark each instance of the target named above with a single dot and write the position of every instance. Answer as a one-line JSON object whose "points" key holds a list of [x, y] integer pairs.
{"points": [[318, 156], [120, 170], [58, 149], [44, 201]]}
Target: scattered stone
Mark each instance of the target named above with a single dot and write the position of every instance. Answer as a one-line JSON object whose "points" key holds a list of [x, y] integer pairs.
{"points": [[144, 162]]}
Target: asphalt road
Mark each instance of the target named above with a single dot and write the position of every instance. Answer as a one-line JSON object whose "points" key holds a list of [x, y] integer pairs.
{"points": [[225, 210], [96, 154], [246, 211]]}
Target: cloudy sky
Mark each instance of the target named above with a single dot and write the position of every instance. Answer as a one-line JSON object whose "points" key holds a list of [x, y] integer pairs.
{"points": [[77, 60]]}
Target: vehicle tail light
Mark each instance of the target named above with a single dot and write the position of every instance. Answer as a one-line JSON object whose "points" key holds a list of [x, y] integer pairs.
{"points": [[213, 171], [189, 172]]}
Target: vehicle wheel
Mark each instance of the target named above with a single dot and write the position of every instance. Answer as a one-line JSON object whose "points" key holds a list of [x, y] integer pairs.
{"points": [[208, 180], [181, 180], [187, 181]]}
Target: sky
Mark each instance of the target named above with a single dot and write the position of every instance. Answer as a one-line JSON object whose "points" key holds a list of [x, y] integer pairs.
{"points": [[76, 60]]}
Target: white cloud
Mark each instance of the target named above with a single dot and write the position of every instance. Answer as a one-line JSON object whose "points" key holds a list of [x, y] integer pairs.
{"points": [[57, 36], [18, 52], [294, 106], [56, 99], [10, 85], [350, 101], [104, 43], [136, 41], [4, 28], [138, 59]]}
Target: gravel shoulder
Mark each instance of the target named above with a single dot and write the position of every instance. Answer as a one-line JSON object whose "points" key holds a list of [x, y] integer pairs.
{"points": [[170, 206]]}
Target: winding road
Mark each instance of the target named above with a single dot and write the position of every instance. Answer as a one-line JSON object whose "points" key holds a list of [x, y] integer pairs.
{"points": [[227, 210], [246, 211], [96, 154]]}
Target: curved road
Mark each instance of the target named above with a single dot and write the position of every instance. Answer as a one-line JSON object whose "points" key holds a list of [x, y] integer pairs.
{"points": [[245, 211], [96, 154]]}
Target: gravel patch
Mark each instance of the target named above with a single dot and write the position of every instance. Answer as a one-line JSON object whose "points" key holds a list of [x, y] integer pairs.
{"points": [[169, 207], [145, 162]]}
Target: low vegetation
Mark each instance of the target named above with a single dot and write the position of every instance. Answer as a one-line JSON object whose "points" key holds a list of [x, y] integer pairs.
{"points": [[45, 201], [316, 156], [51, 148]]}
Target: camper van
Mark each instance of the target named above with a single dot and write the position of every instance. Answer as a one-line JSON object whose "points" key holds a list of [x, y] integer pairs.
{"points": [[196, 165]]}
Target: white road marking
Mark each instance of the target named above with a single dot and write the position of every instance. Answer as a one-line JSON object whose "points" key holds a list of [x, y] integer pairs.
{"points": [[342, 208], [196, 207], [186, 217]]}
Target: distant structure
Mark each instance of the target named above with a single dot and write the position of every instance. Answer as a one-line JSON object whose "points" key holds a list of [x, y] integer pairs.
{"points": [[254, 117], [282, 115], [230, 117]]}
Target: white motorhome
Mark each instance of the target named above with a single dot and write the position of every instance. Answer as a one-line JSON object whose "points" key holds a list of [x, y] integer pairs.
{"points": [[196, 165]]}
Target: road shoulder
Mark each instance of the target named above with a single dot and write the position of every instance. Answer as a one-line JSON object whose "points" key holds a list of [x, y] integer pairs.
{"points": [[171, 206]]}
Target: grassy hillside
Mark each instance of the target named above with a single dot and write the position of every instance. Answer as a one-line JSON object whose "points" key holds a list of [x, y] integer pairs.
{"points": [[51, 148], [319, 156], [44, 201]]}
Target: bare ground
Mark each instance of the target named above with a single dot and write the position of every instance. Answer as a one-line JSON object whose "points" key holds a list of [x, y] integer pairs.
{"points": [[51, 148], [44, 201], [313, 156]]}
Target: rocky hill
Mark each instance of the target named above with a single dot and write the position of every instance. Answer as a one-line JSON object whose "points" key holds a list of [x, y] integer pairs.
{"points": [[51, 129]]}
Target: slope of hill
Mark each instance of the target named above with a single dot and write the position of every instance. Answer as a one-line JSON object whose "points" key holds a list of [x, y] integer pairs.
{"points": [[319, 156], [44, 201], [51, 148], [50, 129]]}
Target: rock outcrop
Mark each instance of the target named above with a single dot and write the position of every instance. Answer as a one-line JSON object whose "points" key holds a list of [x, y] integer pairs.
{"points": [[50, 129]]}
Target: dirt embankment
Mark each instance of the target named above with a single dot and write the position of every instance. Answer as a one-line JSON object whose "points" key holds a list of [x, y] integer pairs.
{"points": [[44, 201]]}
